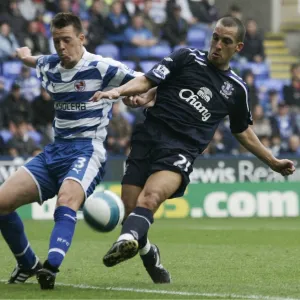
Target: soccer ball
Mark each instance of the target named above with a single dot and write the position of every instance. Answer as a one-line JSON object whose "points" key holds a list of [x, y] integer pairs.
{"points": [[103, 211]]}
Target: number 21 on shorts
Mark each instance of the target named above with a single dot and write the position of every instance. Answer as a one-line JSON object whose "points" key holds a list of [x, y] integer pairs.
{"points": [[182, 163]]}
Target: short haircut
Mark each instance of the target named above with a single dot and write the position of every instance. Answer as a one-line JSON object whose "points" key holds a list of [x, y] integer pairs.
{"points": [[62, 20], [234, 22], [235, 8], [294, 66]]}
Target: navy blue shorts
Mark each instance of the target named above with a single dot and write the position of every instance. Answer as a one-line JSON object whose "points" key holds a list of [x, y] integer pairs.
{"points": [[145, 159], [82, 160]]}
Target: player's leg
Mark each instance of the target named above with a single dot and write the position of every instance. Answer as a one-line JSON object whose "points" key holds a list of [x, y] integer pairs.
{"points": [[19, 189], [159, 187], [134, 179], [84, 174], [149, 254], [70, 198], [129, 196]]}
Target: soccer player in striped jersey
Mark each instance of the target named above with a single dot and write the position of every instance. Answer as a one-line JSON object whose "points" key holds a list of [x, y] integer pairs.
{"points": [[73, 165]]}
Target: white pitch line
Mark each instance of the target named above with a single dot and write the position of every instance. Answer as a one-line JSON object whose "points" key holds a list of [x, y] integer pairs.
{"points": [[166, 292], [229, 228]]}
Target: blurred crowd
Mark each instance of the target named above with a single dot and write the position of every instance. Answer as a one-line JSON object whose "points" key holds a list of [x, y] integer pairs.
{"points": [[139, 33]]}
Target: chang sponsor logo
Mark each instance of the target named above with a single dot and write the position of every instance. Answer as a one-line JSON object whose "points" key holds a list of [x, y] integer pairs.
{"points": [[69, 106], [193, 99]]}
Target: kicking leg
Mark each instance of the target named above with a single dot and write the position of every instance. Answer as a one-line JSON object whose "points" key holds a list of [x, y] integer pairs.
{"points": [[70, 198], [159, 187], [18, 190], [149, 253], [129, 196]]}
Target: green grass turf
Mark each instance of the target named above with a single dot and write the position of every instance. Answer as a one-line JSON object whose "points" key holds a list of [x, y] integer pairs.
{"points": [[224, 256]]}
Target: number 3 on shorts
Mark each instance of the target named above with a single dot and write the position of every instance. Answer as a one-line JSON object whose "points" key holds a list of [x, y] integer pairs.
{"points": [[182, 163], [79, 164]]}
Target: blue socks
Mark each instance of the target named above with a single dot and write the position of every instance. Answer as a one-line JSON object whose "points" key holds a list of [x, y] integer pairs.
{"points": [[12, 229], [62, 234], [137, 224]]}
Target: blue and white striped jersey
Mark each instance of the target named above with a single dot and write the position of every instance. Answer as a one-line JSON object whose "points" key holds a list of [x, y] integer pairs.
{"points": [[75, 116]]}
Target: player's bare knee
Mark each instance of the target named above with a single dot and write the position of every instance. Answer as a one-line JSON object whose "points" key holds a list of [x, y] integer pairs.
{"points": [[150, 200], [7, 206], [71, 195], [65, 199]]}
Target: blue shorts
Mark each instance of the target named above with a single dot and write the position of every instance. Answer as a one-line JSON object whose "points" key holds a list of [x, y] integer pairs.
{"points": [[82, 160]]}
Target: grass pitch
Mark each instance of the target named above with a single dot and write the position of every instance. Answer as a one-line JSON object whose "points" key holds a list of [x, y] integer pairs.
{"points": [[207, 258]]}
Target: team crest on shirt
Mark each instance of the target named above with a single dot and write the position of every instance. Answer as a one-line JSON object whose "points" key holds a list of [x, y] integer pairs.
{"points": [[227, 89], [79, 85]]}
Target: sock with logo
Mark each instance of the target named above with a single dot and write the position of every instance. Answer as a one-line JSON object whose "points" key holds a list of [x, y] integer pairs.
{"points": [[137, 224], [12, 229], [62, 234]]}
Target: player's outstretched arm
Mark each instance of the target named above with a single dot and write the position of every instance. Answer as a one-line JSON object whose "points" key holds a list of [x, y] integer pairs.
{"points": [[24, 54], [133, 87], [148, 99], [251, 142]]}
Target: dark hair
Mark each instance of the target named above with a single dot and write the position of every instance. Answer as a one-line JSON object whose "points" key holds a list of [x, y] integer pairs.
{"points": [[234, 22], [234, 7], [251, 20], [15, 86], [272, 92], [62, 20], [246, 73], [138, 14], [18, 120], [294, 66]]}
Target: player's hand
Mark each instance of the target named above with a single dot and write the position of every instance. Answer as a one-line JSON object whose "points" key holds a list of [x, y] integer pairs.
{"points": [[146, 99], [23, 52], [135, 101], [284, 166], [112, 94]]}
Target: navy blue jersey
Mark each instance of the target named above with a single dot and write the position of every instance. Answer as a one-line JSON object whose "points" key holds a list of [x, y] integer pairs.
{"points": [[193, 96]]}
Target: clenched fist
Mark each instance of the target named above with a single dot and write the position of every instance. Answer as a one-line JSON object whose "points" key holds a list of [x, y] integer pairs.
{"points": [[23, 52]]}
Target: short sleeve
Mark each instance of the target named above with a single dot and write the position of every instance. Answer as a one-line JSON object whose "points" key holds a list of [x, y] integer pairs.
{"points": [[239, 110], [168, 66], [114, 73], [39, 66], [44, 63]]}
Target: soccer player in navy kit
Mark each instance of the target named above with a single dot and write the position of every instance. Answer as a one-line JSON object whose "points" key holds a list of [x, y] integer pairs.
{"points": [[195, 91]]}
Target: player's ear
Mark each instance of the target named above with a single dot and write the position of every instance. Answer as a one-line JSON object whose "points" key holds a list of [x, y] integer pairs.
{"points": [[239, 47], [81, 37]]}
